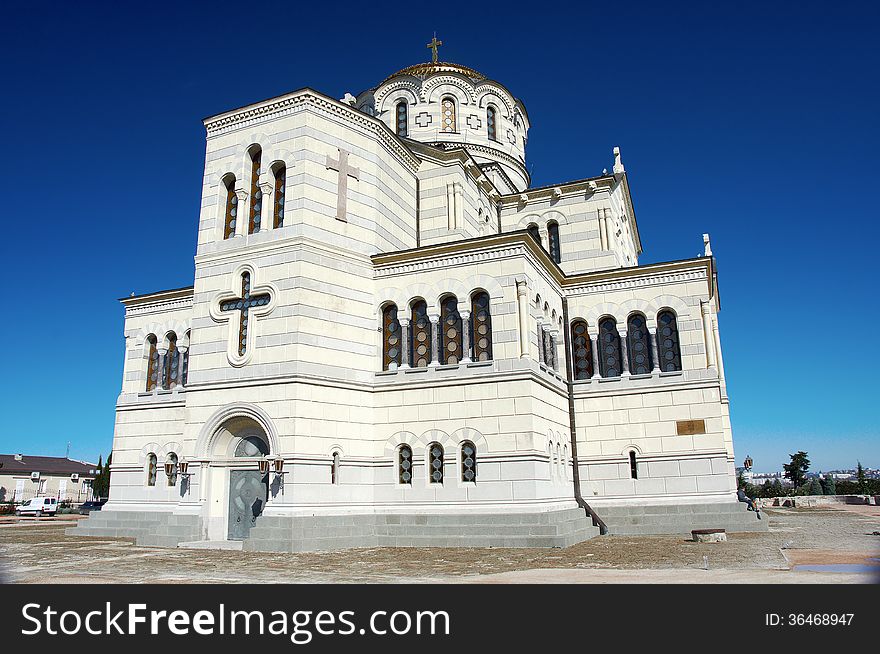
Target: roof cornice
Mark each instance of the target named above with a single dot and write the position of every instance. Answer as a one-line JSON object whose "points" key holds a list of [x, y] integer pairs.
{"points": [[157, 297]]}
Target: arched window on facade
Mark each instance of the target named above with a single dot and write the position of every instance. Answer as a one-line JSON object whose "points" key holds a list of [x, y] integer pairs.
{"points": [[481, 327], [534, 232], [404, 464], [334, 469], [435, 463], [391, 340], [256, 194], [231, 210], [280, 187], [553, 241], [184, 365], [447, 114], [151, 469], [609, 348], [420, 342], [172, 363], [638, 345], [633, 465], [402, 119], [152, 363], [491, 125], [581, 350], [668, 348], [450, 321], [171, 470], [468, 462]]}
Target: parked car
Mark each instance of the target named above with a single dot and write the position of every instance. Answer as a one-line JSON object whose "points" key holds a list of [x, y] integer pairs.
{"points": [[92, 505], [38, 506]]}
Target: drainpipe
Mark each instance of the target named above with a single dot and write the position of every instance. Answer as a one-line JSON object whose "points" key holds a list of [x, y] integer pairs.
{"points": [[569, 379]]}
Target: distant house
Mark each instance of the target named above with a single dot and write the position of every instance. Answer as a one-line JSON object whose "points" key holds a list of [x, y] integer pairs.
{"points": [[23, 477]]}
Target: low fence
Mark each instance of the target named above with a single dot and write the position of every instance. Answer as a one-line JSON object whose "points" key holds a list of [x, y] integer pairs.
{"points": [[817, 500]]}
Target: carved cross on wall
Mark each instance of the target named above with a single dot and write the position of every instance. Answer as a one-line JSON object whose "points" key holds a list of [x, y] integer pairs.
{"points": [[242, 304], [345, 171]]}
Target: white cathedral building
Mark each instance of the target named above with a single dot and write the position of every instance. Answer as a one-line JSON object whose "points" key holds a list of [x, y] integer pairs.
{"points": [[394, 339]]}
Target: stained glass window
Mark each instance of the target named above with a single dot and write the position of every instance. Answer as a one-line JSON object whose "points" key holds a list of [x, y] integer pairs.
{"points": [[172, 363], [391, 338], [231, 208], [451, 328], [402, 118], [553, 241], [435, 463], [242, 305], [184, 368], [633, 465], [468, 461], [250, 446], [481, 327], [420, 343], [668, 348], [581, 349], [151, 469], [609, 348], [334, 469], [490, 123], [280, 185], [172, 459], [447, 117], [152, 363], [256, 193], [404, 464], [639, 345]]}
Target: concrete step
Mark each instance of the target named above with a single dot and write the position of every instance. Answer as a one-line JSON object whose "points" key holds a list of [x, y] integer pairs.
{"points": [[234, 545]]}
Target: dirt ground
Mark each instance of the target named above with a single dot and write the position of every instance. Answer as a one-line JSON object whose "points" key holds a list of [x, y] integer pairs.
{"points": [[38, 551]]}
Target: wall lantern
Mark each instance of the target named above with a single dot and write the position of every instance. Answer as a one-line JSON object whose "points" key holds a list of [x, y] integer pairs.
{"points": [[184, 468], [264, 465], [279, 464], [169, 468]]}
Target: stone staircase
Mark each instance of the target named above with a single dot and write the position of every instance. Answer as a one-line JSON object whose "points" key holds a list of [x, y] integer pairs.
{"points": [[147, 528], [643, 520]]}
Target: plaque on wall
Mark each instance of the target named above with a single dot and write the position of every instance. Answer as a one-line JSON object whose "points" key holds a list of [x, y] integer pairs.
{"points": [[690, 427]]}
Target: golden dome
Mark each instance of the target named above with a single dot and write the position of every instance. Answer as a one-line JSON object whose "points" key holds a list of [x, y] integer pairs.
{"points": [[429, 68]]}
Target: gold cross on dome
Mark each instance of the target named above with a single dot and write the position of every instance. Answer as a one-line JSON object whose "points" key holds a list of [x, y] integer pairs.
{"points": [[434, 44]]}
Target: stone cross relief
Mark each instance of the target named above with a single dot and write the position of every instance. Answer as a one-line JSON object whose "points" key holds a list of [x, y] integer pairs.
{"points": [[345, 171]]}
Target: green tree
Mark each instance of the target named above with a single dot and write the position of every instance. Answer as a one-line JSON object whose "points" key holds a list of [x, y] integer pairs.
{"points": [[828, 485], [816, 487], [778, 490], [796, 471], [861, 479]]}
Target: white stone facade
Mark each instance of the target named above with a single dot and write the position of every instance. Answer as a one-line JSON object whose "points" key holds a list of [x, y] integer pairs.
{"points": [[423, 217]]}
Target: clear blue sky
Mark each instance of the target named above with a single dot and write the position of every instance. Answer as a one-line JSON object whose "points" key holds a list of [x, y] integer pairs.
{"points": [[755, 122]]}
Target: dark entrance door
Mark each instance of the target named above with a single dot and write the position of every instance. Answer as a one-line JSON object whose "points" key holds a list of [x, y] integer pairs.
{"points": [[248, 492]]}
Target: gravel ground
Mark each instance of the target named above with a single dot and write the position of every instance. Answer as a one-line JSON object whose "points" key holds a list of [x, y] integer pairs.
{"points": [[40, 552]]}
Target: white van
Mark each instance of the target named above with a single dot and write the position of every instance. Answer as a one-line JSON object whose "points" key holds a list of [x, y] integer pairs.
{"points": [[38, 506]]}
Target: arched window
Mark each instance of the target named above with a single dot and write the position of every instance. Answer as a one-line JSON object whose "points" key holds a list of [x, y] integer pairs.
{"points": [[581, 350], [172, 361], [435, 463], [404, 464], [553, 241], [184, 365], [633, 465], [468, 461], [171, 470], [334, 469], [420, 343], [558, 459], [402, 122], [151, 469], [447, 114], [391, 346], [451, 326], [251, 446], [481, 327], [231, 207], [152, 363], [551, 459], [280, 185], [256, 193], [638, 345], [669, 351], [609, 348], [534, 232], [490, 123]]}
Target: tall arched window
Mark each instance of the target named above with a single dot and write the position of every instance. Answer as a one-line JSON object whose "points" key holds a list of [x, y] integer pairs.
{"points": [[581, 350], [171, 470], [609, 348], [231, 212], [534, 232], [633, 465], [391, 345], [553, 241], [435, 463], [420, 343], [404, 464], [481, 327], [668, 348], [334, 469], [184, 365], [172, 361], [280, 185], [256, 193], [451, 329], [402, 121], [152, 363], [447, 114], [151, 469], [468, 461], [491, 123], [638, 345]]}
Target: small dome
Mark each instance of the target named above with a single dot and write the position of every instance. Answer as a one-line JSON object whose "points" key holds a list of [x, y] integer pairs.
{"points": [[427, 69]]}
